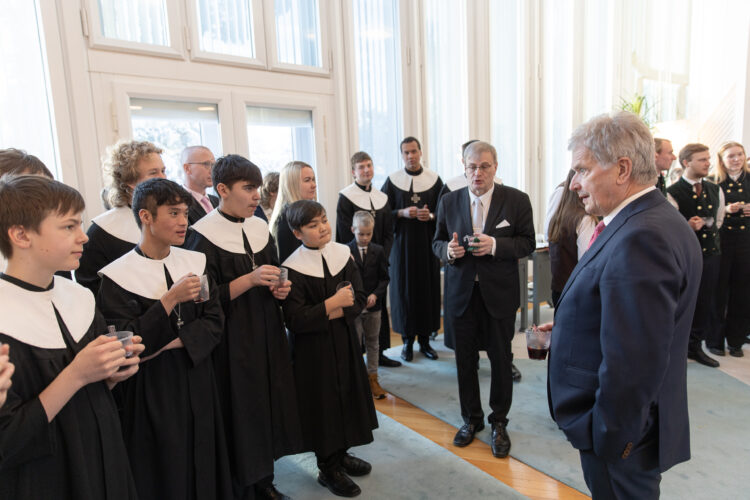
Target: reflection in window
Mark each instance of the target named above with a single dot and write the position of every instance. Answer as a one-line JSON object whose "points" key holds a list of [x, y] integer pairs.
{"points": [[173, 126], [142, 21], [379, 97], [298, 32], [25, 100], [226, 27], [277, 136]]}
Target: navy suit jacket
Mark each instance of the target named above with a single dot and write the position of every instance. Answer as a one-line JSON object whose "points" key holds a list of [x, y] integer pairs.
{"points": [[617, 365], [374, 270], [498, 274]]}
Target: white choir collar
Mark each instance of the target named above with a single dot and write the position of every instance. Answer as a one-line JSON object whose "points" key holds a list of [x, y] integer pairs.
{"points": [[227, 235], [421, 183], [29, 317], [460, 181], [363, 199], [120, 223], [309, 261], [145, 277]]}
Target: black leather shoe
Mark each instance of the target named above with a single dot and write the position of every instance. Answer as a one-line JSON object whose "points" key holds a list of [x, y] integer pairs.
{"points": [[338, 483], [747, 339], [515, 372], [407, 353], [465, 434], [716, 351], [270, 493], [355, 466], [383, 360], [702, 358], [428, 351], [500, 441], [433, 336], [736, 352]]}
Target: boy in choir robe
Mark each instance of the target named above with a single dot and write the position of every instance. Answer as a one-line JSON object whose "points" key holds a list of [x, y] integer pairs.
{"points": [[114, 233], [60, 436], [332, 387], [253, 361], [170, 411], [373, 268]]}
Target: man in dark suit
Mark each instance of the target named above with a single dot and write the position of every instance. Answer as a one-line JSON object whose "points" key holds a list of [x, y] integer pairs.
{"points": [[664, 159], [617, 364], [481, 278], [197, 163]]}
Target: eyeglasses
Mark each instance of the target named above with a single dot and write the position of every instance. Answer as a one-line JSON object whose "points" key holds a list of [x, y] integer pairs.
{"points": [[208, 164], [482, 168]]}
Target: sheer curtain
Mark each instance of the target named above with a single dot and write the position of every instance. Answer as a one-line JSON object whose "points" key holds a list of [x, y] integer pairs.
{"points": [[298, 32], [143, 21], [226, 26]]}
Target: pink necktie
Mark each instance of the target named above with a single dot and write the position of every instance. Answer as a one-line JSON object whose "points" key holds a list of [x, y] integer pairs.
{"points": [[206, 204], [597, 231]]}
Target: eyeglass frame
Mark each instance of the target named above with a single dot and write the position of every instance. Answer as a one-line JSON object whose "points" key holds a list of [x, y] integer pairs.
{"points": [[208, 164], [482, 168]]}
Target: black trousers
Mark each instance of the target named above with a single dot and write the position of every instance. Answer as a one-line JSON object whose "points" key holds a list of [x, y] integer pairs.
{"points": [[733, 289], [705, 321], [477, 330], [385, 326]]}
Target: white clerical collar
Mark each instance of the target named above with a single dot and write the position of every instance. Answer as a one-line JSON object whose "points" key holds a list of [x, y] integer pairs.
{"points": [[29, 317], [460, 181], [420, 182], [120, 223], [610, 216], [227, 235], [364, 199], [145, 277], [309, 261]]}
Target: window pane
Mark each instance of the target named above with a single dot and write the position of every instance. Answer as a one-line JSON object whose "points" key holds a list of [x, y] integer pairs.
{"points": [[226, 27], [447, 84], [143, 21], [278, 136], [25, 100], [298, 32], [377, 51], [173, 126]]}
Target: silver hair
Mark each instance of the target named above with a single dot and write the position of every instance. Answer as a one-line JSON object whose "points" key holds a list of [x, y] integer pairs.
{"points": [[479, 147], [608, 137]]}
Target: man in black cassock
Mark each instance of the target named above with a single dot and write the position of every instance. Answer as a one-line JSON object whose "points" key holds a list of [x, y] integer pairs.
{"points": [[361, 195], [415, 271]]}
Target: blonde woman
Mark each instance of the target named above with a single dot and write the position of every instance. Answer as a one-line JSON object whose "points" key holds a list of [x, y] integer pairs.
{"points": [[296, 182], [115, 232], [732, 174]]}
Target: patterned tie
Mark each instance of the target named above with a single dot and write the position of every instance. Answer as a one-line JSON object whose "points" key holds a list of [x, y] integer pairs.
{"points": [[597, 231], [698, 188], [477, 215]]}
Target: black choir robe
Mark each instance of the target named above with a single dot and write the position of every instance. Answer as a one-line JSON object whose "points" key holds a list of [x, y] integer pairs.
{"points": [[253, 361], [355, 197], [414, 269], [332, 386], [80, 455], [111, 235], [170, 411], [285, 239]]}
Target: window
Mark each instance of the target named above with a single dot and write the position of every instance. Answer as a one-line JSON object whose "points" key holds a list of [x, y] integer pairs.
{"points": [[173, 125], [25, 99], [277, 136], [226, 27], [298, 38], [377, 52], [142, 21]]}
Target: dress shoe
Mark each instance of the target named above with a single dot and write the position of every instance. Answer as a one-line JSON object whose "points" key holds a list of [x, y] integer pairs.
{"points": [[375, 389], [702, 358], [736, 352], [383, 360], [515, 372], [716, 351], [355, 466], [433, 336], [465, 434], [338, 482], [747, 339], [428, 351], [270, 493], [407, 353], [500, 441]]}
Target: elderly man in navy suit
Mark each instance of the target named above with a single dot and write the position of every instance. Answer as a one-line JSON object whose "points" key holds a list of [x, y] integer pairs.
{"points": [[617, 365], [482, 231]]}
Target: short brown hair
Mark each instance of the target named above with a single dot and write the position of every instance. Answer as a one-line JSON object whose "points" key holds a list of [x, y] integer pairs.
{"points": [[26, 200], [18, 162], [686, 153], [657, 143], [121, 169], [359, 157]]}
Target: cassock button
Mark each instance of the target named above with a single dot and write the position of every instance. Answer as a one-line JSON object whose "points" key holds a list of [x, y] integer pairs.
{"points": [[705, 235], [699, 207], [710, 207], [695, 196], [704, 249], [742, 227], [731, 185], [740, 190], [729, 190]]}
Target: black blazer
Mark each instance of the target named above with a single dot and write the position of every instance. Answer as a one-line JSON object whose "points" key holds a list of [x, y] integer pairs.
{"points": [[374, 270], [196, 210], [511, 222]]}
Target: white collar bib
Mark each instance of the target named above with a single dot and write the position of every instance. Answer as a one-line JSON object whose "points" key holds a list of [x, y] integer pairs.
{"points": [[227, 235], [363, 199], [145, 277], [309, 261], [120, 223], [421, 183], [29, 317]]}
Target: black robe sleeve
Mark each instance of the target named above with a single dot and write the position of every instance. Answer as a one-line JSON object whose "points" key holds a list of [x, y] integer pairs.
{"points": [[201, 335], [344, 213], [300, 316], [390, 191], [387, 232], [25, 434], [352, 275]]}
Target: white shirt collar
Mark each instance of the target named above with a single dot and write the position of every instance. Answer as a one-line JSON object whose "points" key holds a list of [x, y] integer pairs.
{"points": [[485, 198], [690, 181], [610, 216]]}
